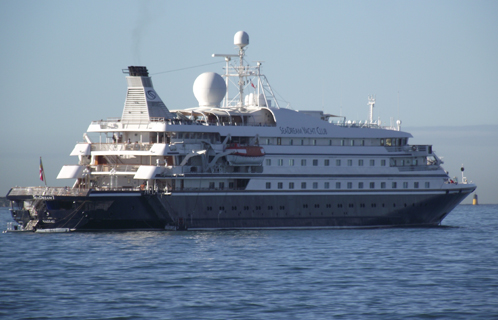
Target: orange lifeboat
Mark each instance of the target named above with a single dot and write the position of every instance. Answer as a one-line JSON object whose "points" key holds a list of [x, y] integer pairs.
{"points": [[245, 155]]}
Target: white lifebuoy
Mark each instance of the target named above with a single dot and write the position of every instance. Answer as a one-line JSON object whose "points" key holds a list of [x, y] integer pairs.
{"points": [[414, 148]]}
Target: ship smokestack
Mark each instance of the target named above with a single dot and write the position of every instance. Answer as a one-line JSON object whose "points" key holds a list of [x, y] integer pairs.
{"points": [[142, 101], [138, 71]]}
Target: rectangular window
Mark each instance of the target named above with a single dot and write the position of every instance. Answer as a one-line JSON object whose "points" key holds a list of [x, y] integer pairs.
{"points": [[362, 142], [342, 142], [405, 185], [372, 162], [291, 162], [280, 185], [415, 185], [330, 142], [326, 185], [280, 162], [268, 185], [291, 185], [279, 141], [360, 185], [350, 185], [303, 162], [350, 163], [381, 142], [383, 162], [303, 185], [382, 185], [352, 142], [415, 162], [302, 142], [326, 162], [221, 185], [315, 162], [230, 185], [338, 162], [267, 141], [427, 184], [372, 185], [394, 185], [337, 185], [268, 162], [291, 142], [388, 142], [314, 142], [315, 185], [211, 185], [360, 162]]}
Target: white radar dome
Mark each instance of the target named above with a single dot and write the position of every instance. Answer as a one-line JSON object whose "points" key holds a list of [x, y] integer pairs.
{"points": [[209, 89], [241, 39]]}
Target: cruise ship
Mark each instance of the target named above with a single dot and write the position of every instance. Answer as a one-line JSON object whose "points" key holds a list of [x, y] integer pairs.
{"points": [[239, 160]]}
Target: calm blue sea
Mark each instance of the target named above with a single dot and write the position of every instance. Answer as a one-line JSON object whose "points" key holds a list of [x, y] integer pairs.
{"points": [[449, 272]]}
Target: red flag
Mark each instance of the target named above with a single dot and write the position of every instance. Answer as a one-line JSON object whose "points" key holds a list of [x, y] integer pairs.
{"points": [[253, 85], [42, 174]]}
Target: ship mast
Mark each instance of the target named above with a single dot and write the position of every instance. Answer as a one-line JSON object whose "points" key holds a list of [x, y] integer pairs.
{"points": [[371, 103], [263, 89]]}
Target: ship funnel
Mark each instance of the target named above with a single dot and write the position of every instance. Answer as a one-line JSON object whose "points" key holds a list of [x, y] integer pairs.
{"points": [[142, 101]]}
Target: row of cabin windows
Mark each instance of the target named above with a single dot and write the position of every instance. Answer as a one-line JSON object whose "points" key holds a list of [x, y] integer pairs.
{"points": [[245, 208], [388, 142], [221, 185], [316, 206], [326, 162], [349, 185]]}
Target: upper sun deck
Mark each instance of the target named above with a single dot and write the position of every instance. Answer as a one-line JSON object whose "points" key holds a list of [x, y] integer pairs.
{"points": [[263, 121]]}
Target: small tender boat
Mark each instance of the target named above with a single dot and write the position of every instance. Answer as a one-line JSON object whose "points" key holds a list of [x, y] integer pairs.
{"points": [[245, 155]]}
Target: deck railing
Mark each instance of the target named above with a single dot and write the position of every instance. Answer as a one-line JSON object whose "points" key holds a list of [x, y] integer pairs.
{"points": [[121, 146], [47, 191]]}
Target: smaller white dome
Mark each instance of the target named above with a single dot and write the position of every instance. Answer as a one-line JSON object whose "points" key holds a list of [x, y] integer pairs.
{"points": [[241, 39], [209, 89]]}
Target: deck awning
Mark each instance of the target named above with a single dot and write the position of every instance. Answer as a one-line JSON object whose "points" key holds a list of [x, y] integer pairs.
{"points": [[71, 172]]}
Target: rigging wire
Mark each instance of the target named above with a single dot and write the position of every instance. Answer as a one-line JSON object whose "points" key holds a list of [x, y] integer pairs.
{"points": [[201, 65], [282, 99]]}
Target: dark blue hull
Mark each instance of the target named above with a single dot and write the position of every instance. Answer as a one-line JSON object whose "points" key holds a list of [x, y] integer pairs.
{"points": [[144, 211]]}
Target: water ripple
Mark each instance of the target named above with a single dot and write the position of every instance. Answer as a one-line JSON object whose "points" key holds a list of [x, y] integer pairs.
{"points": [[434, 273]]}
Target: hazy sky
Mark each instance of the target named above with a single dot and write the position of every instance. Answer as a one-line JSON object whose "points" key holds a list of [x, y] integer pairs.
{"points": [[433, 63]]}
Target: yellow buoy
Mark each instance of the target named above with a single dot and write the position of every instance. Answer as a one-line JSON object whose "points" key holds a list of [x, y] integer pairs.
{"points": [[474, 201]]}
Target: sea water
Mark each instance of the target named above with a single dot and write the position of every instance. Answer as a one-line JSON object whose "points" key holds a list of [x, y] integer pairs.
{"points": [[447, 272]]}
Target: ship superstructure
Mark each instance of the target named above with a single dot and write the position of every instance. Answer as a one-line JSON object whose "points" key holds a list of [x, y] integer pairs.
{"points": [[239, 160]]}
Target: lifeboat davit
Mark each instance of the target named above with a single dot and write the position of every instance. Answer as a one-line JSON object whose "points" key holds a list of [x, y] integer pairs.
{"points": [[245, 155]]}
